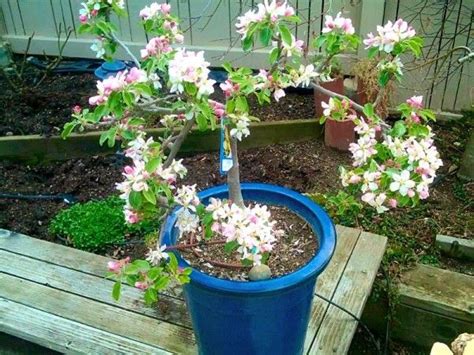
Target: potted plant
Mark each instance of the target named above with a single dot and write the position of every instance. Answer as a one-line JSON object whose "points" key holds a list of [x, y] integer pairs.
{"points": [[230, 226]]}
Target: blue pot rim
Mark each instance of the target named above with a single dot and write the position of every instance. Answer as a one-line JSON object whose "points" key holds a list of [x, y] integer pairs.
{"points": [[327, 245]]}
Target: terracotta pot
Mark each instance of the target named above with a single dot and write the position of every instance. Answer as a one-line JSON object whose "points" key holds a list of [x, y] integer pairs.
{"points": [[337, 86], [339, 134]]}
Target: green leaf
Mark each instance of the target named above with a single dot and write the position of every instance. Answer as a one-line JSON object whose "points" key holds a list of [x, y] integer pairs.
{"points": [[154, 273], [319, 41], [151, 296], [227, 66], [173, 262], [136, 121], [399, 129], [150, 196], [116, 290], [231, 246], [285, 34], [247, 43], [162, 282], [384, 78], [153, 164], [372, 52], [241, 104], [369, 110], [68, 128], [274, 54], [266, 35], [135, 199]]}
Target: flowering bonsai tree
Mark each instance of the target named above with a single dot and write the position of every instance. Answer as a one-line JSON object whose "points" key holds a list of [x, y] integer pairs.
{"points": [[173, 82]]}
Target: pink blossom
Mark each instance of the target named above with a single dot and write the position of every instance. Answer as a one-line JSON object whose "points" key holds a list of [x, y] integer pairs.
{"points": [[156, 46], [415, 101], [393, 203], [165, 8], [229, 88], [414, 117], [114, 266], [355, 179], [411, 193], [219, 109], [77, 109], [131, 217], [338, 23], [135, 75], [83, 18], [142, 285], [94, 13]]}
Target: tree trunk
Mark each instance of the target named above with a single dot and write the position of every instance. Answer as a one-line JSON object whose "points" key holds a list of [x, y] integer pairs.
{"points": [[233, 177], [466, 171]]}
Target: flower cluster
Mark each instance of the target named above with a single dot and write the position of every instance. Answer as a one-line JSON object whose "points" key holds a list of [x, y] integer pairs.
{"points": [[155, 10], [266, 11], [117, 83], [91, 8], [396, 171], [241, 125], [338, 23], [190, 67], [389, 35], [250, 228], [338, 110], [141, 178]]}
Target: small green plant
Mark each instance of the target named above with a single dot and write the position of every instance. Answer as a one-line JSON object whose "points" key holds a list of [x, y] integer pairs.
{"points": [[342, 207], [94, 225]]}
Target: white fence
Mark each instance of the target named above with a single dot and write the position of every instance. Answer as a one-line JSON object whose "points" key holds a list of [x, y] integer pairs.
{"points": [[209, 26]]}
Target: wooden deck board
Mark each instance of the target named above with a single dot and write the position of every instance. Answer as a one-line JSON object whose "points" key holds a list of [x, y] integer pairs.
{"points": [[41, 279], [338, 327], [64, 335], [90, 286]]}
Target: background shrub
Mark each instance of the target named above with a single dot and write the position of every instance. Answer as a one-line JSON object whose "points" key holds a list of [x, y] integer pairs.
{"points": [[95, 225]]}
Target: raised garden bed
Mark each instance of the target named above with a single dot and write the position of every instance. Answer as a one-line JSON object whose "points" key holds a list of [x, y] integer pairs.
{"points": [[37, 148]]}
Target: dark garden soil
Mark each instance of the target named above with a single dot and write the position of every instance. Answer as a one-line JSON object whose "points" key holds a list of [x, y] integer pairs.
{"points": [[305, 167], [290, 252], [46, 109]]}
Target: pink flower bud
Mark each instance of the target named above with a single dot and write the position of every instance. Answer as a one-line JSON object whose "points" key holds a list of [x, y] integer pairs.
{"points": [[141, 285], [424, 194], [411, 193], [94, 12], [165, 8], [355, 179], [77, 109], [114, 266], [83, 18], [393, 203], [128, 169]]}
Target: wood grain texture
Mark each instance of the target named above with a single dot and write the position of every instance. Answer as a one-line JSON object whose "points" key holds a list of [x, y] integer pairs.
{"points": [[328, 280], [97, 288], [338, 328], [63, 335], [102, 316], [439, 291]]}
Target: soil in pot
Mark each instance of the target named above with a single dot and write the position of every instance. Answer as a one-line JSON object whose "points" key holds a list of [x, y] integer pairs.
{"points": [[292, 251]]}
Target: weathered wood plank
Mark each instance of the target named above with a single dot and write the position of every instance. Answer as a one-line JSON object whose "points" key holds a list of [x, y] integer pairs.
{"points": [[96, 288], [338, 328], [439, 291], [455, 247], [98, 315], [327, 282], [63, 335]]}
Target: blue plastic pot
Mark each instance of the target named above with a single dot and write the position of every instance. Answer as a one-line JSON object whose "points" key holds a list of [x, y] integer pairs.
{"points": [[108, 69], [261, 317]]}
